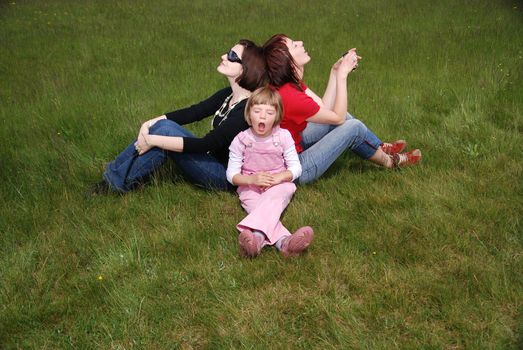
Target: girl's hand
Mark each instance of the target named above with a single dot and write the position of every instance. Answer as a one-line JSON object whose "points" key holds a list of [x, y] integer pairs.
{"points": [[278, 178], [264, 180], [284, 176]]}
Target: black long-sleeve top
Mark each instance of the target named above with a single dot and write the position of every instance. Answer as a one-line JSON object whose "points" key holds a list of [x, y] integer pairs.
{"points": [[217, 141]]}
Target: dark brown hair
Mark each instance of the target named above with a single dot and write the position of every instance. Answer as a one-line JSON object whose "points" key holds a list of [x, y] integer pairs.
{"points": [[266, 95], [254, 72], [281, 68]]}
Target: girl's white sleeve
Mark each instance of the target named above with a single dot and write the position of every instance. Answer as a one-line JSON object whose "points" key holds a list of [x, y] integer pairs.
{"points": [[234, 166], [292, 161]]}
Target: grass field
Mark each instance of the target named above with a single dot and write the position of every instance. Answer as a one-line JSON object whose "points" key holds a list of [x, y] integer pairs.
{"points": [[427, 257]]}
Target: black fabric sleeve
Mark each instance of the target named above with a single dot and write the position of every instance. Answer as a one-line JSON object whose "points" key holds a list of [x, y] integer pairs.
{"points": [[199, 110], [217, 141]]}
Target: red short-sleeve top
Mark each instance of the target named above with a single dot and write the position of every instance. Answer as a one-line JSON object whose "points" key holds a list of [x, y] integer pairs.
{"points": [[297, 108]]}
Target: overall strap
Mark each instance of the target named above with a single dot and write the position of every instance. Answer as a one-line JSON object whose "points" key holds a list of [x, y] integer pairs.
{"points": [[245, 139], [276, 140]]}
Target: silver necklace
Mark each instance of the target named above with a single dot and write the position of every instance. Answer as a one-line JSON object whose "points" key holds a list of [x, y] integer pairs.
{"points": [[220, 112]]}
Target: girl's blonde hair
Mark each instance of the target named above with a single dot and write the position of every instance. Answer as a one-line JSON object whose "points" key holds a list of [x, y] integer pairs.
{"points": [[266, 95]]}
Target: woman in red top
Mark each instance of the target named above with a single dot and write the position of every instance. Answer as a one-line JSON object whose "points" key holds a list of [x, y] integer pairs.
{"points": [[321, 127]]}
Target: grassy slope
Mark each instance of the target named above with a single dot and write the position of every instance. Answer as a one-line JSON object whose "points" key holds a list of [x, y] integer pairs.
{"points": [[429, 256]]}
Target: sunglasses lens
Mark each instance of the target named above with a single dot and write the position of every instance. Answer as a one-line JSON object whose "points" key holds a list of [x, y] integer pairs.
{"points": [[233, 57]]}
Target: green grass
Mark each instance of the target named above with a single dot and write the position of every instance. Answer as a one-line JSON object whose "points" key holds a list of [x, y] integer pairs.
{"points": [[427, 257]]}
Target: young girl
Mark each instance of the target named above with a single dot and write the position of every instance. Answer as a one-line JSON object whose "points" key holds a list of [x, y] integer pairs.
{"points": [[263, 163]]}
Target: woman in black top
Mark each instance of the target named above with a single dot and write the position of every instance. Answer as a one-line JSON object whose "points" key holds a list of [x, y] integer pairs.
{"points": [[203, 161]]}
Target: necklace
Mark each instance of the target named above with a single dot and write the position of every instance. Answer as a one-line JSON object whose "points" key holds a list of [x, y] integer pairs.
{"points": [[220, 112]]}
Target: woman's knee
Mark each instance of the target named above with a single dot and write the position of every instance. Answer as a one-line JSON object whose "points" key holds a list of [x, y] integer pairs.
{"points": [[354, 128], [350, 116], [166, 127], [354, 134], [355, 123]]}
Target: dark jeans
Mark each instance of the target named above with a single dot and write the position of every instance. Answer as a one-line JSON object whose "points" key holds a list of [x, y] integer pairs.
{"points": [[129, 168]]}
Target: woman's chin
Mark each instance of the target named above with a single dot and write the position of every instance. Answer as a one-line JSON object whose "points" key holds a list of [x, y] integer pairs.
{"points": [[307, 59], [223, 71]]}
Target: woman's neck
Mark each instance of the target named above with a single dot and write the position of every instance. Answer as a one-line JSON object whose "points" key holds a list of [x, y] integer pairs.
{"points": [[300, 71], [238, 93]]}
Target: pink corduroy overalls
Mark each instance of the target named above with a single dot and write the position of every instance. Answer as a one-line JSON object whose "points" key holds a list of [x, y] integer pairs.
{"points": [[264, 208]]}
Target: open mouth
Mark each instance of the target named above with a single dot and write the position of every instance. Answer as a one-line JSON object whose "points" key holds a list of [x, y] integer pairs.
{"points": [[261, 127]]}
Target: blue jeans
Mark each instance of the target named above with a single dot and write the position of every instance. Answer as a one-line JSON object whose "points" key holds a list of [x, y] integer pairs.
{"points": [[323, 144], [129, 169]]}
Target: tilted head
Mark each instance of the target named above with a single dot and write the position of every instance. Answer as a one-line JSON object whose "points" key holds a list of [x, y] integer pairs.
{"points": [[245, 63], [284, 58]]}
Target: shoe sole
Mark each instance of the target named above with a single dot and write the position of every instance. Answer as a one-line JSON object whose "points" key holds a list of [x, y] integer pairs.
{"points": [[248, 247], [299, 242]]}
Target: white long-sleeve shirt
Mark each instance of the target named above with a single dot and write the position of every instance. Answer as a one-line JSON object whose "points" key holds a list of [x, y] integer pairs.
{"points": [[290, 156]]}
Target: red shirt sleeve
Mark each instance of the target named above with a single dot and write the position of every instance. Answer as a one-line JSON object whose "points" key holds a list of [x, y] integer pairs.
{"points": [[298, 105]]}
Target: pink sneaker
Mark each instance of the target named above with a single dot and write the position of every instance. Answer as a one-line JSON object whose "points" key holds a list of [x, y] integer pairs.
{"points": [[395, 147], [298, 242], [408, 158], [250, 245]]}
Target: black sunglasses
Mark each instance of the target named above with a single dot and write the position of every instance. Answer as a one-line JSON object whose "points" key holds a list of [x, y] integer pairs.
{"points": [[233, 57]]}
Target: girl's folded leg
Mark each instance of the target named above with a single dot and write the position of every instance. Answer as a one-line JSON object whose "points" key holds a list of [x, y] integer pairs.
{"points": [[265, 208]]}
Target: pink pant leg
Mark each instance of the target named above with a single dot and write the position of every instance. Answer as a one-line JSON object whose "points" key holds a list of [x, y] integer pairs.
{"points": [[265, 208]]}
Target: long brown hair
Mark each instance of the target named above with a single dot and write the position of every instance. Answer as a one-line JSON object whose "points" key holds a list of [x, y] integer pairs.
{"points": [[254, 68], [281, 67]]}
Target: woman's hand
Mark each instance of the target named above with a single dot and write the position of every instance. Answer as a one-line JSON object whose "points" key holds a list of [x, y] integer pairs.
{"points": [[142, 143], [347, 63], [144, 129], [336, 65]]}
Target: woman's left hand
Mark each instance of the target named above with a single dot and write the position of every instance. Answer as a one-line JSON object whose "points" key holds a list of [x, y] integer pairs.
{"points": [[142, 145], [336, 65], [347, 63]]}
